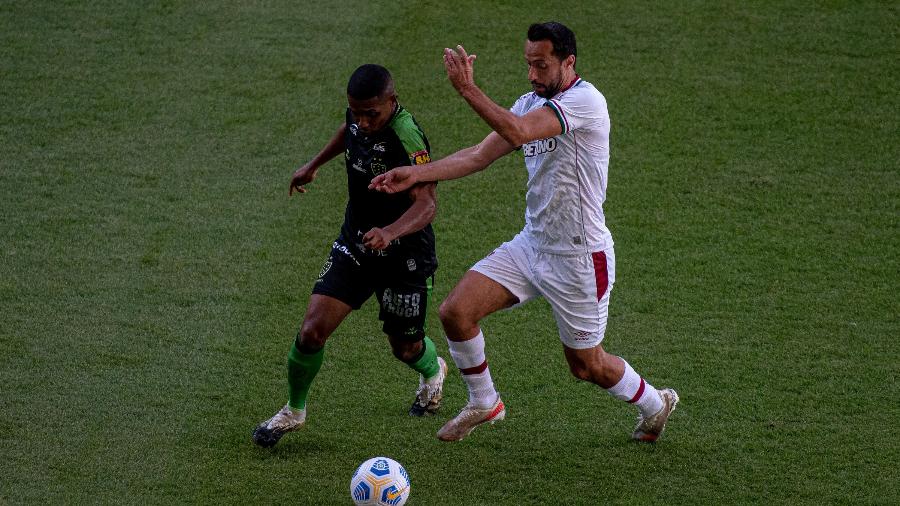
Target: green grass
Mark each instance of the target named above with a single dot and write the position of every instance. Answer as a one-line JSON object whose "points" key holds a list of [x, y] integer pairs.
{"points": [[154, 271]]}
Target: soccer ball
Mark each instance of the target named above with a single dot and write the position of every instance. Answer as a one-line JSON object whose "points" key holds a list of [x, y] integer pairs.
{"points": [[380, 481]]}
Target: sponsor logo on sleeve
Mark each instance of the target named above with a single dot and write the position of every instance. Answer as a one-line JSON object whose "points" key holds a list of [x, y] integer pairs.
{"points": [[420, 157]]}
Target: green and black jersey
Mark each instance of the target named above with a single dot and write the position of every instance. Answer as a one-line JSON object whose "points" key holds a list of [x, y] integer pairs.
{"points": [[401, 142]]}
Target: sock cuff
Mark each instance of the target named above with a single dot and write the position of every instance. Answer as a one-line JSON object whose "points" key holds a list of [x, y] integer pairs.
{"points": [[468, 354], [428, 349], [297, 356], [426, 363], [629, 385]]}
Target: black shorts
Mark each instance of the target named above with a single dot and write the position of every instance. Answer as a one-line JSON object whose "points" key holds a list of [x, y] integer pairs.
{"points": [[403, 294]]}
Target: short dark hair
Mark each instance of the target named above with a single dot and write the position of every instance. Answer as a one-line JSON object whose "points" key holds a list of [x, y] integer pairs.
{"points": [[559, 34], [369, 81]]}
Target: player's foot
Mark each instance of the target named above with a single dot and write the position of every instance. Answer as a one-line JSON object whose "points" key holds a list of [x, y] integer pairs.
{"points": [[269, 432], [469, 418], [649, 429], [430, 393]]}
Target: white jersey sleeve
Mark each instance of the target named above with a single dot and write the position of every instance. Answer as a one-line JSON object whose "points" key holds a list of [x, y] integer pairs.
{"points": [[579, 109], [520, 108]]}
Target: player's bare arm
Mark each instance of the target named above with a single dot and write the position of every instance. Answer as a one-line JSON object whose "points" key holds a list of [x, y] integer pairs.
{"points": [[307, 173], [517, 130], [420, 214], [460, 164]]}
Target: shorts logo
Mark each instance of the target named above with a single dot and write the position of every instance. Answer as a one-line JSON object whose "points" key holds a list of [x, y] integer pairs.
{"points": [[343, 249], [539, 147], [325, 268], [420, 157], [405, 305], [582, 335]]}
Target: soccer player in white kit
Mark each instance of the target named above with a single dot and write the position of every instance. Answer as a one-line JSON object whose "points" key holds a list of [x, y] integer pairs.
{"points": [[564, 253]]}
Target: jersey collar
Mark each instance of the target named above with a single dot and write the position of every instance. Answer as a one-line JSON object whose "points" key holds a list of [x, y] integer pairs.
{"points": [[573, 83]]}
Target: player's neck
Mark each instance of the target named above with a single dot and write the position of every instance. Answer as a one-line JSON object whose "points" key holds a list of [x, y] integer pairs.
{"points": [[570, 80]]}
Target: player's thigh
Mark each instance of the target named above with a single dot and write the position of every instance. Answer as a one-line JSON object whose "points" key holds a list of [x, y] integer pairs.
{"points": [[476, 296], [346, 277], [578, 289], [403, 301], [323, 315], [498, 281]]}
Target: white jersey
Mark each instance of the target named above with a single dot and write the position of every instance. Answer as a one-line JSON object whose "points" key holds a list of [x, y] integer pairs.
{"points": [[567, 174]]}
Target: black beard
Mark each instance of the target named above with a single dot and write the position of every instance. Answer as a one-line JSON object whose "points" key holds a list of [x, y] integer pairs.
{"points": [[548, 92]]}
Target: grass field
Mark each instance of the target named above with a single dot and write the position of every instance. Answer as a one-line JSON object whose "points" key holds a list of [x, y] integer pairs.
{"points": [[154, 270]]}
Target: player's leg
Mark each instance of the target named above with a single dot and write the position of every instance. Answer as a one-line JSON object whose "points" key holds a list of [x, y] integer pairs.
{"points": [[496, 282], [342, 287], [404, 302], [616, 375], [323, 315], [581, 315], [422, 357], [471, 300]]}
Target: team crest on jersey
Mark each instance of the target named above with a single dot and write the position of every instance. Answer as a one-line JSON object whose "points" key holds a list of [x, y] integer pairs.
{"points": [[540, 147], [354, 128], [420, 157], [378, 167]]}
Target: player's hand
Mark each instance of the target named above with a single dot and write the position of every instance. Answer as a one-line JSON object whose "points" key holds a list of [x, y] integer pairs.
{"points": [[377, 238], [459, 65], [394, 180], [303, 175]]}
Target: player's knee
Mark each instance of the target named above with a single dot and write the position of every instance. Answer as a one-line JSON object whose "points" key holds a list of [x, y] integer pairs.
{"points": [[581, 371], [453, 315], [310, 337], [406, 351]]}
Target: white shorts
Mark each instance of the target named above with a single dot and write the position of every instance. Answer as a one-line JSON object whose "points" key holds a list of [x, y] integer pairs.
{"points": [[577, 287]]}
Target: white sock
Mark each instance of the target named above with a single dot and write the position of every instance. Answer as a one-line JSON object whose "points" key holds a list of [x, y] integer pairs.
{"points": [[469, 358], [633, 389]]}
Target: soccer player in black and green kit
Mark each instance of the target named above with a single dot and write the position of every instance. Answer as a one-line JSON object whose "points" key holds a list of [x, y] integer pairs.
{"points": [[385, 247]]}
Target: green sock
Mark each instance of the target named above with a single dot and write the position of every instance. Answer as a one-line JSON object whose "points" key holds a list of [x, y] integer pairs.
{"points": [[427, 364], [302, 368]]}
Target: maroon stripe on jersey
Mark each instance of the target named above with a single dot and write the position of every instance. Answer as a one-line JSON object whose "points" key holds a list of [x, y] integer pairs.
{"points": [[577, 77], [639, 393], [563, 115], [478, 369], [600, 273]]}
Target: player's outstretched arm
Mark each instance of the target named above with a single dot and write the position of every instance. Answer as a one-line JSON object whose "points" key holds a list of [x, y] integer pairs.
{"points": [[419, 214], [460, 164], [307, 173], [541, 123]]}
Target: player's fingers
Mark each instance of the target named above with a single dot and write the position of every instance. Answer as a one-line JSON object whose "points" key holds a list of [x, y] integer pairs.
{"points": [[449, 58], [463, 55]]}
